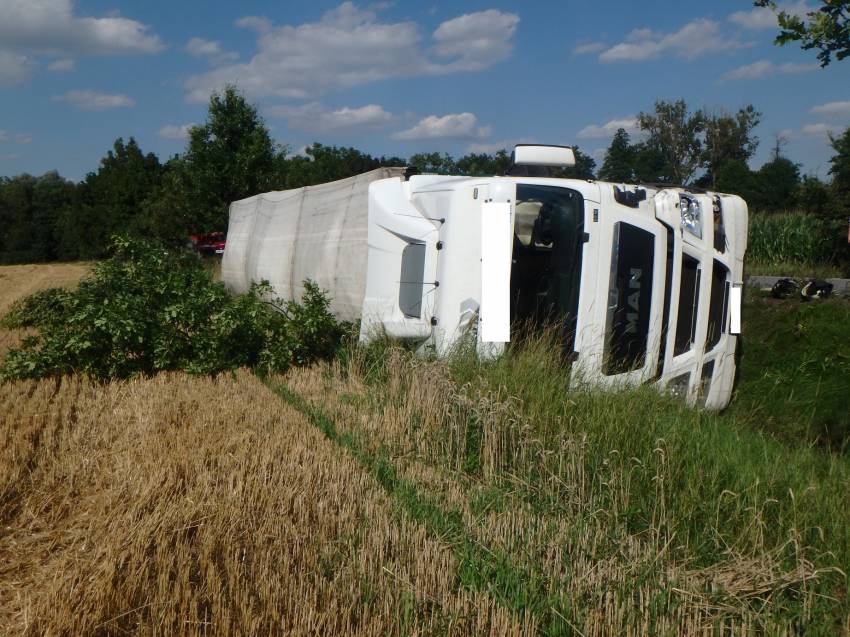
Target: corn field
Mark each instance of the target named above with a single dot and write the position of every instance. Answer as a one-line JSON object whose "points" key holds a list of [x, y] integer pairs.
{"points": [[794, 238]]}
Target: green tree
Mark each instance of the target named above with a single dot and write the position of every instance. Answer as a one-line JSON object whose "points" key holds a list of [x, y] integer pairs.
{"points": [[109, 201], [840, 195], [840, 171], [433, 163], [16, 218], [168, 216], [585, 167], [230, 157], [649, 164], [735, 177], [826, 29], [674, 134], [777, 183], [619, 161], [813, 196], [484, 164], [728, 138], [29, 207], [322, 164]]}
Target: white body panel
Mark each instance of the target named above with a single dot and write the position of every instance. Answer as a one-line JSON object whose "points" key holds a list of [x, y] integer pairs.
{"points": [[412, 268], [317, 232]]}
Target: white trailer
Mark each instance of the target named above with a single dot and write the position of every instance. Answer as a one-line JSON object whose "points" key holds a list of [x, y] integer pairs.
{"points": [[643, 282]]}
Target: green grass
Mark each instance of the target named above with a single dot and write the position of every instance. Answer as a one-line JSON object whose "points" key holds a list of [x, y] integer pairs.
{"points": [[795, 270], [759, 479], [795, 370], [796, 488]]}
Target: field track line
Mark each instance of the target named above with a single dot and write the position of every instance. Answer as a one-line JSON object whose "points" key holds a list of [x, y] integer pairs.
{"points": [[479, 568]]}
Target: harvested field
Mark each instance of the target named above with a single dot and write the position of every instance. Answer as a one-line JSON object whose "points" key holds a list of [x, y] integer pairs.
{"points": [[192, 506]]}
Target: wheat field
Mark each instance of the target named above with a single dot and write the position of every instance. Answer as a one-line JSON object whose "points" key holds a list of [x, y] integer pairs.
{"points": [[351, 498]]}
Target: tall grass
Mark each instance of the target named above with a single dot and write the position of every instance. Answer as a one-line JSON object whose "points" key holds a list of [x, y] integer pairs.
{"points": [[617, 511], [795, 371], [789, 239]]}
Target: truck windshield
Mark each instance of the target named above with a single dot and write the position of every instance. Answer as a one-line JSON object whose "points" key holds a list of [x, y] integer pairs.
{"points": [[548, 242]]}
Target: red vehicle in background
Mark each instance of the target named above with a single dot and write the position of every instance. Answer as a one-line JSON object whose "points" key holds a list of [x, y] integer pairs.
{"points": [[208, 244]]}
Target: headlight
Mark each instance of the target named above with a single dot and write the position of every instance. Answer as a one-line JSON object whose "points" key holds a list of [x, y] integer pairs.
{"points": [[691, 215]]}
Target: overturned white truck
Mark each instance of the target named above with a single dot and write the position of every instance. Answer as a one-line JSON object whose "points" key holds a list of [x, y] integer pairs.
{"points": [[644, 282]]}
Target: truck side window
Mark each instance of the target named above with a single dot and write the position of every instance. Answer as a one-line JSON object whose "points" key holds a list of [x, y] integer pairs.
{"points": [[718, 304], [629, 299], [686, 324], [410, 283]]}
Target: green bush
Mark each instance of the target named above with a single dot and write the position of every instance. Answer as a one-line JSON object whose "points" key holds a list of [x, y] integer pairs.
{"points": [[41, 309], [147, 309], [790, 237]]}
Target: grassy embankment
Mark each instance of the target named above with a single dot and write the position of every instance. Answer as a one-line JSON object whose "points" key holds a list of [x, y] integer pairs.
{"points": [[603, 513], [399, 496]]}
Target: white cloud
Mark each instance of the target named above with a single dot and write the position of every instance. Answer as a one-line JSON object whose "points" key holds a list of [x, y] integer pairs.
{"points": [[50, 26], [609, 128], [14, 68], [452, 126], [93, 101], [694, 39], [210, 50], [19, 138], [833, 109], [317, 118], [477, 40], [589, 47], [764, 18], [820, 129], [350, 46], [256, 23], [765, 68], [170, 131], [64, 65]]}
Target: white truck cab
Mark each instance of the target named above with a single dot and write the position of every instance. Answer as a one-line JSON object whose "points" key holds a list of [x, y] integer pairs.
{"points": [[641, 280], [642, 283]]}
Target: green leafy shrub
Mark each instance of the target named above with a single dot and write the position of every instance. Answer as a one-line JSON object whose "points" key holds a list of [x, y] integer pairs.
{"points": [[147, 309], [40, 309]]}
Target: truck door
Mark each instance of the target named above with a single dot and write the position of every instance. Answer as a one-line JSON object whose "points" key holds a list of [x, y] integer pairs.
{"points": [[621, 341]]}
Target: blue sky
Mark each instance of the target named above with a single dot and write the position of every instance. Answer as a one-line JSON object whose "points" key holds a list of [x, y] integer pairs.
{"points": [[397, 77]]}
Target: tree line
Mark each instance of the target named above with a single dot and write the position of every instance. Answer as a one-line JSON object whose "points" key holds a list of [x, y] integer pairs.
{"points": [[232, 156]]}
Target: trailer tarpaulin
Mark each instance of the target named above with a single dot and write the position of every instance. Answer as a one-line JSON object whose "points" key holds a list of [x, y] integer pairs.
{"points": [[317, 232]]}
